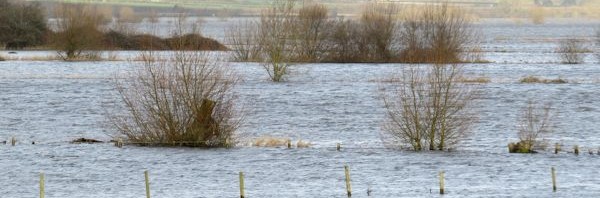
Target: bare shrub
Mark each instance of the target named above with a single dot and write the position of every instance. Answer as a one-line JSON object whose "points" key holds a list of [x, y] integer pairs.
{"points": [[344, 42], [534, 123], [378, 28], [428, 108], [181, 98], [278, 44], [184, 100], [311, 29], [571, 51], [78, 30], [243, 39], [436, 34], [22, 24]]}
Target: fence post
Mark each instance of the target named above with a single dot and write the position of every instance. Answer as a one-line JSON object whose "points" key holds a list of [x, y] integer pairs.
{"points": [[242, 185], [441, 182], [13, 141], [348, 186], [553, 179], [338, 147], [576, 149], [556, 148], [42, 185], [147, 184]]}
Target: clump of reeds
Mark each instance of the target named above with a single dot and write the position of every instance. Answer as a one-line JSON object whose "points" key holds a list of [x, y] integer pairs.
{"points": [[269, 141], [533, 79], [475, 80]]}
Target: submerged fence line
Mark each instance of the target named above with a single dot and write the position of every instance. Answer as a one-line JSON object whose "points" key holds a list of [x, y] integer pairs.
{"points": [[338, 146], [347, 180]]}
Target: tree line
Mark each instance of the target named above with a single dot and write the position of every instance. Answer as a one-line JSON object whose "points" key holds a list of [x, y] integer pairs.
{"points": [[77, 31]]}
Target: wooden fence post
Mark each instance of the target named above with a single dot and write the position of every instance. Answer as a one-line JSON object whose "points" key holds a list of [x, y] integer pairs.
{"points": [[348, 186], [242, 185], [147, 184], [553, 179], [42, 185], [338, 147], [441, 182]]}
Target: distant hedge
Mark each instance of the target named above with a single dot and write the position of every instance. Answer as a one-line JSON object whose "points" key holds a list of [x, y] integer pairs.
{"points": [[118, 41]]}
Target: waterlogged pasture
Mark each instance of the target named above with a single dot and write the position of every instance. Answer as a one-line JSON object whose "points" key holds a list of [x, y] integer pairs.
{"points": [[53, 102]]}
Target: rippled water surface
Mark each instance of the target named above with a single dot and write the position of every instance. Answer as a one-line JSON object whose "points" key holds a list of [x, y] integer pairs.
{"points": [[52, 102]]}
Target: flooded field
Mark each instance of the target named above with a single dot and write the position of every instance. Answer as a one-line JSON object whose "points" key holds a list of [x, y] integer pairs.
{"points": [[53, 102]]}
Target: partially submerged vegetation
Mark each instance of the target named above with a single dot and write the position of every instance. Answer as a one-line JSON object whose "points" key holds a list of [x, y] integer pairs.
{"points": [[184, 98], [534, 79], [428, 108], [481, 79], [383, 34], [535, 123], [269, 141], [80, 32], [572, 51]]}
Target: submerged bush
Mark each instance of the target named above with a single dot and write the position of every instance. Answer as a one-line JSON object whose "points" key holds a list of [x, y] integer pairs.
{"points": [[534, 123], [284, 34], [185, 99], [278, 45], [428, 108], [571, 51]]}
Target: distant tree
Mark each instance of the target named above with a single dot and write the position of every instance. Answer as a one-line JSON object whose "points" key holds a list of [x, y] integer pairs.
{"points": [[78, 31], [21, 24], [571, 51]]}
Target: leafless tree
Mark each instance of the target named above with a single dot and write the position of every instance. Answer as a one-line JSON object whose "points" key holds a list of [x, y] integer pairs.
{"points": [[278, 44], [571, 51], [436, 34], [243, 39], [78, 31], [534, 123], [379, 24], [344, 43], [429, 108], [311, 30]]}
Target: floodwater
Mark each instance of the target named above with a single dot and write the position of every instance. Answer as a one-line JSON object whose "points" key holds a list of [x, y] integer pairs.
{"points": [[53, 102]]}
